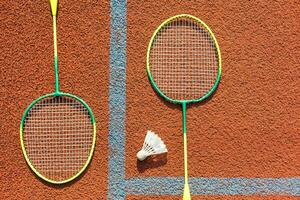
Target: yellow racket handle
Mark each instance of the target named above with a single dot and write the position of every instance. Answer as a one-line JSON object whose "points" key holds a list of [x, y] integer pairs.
{"points": [[186, 193], [53, 4]]}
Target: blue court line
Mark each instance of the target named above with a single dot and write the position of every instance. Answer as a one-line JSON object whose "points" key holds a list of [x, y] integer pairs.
{"points": [[214, 186], [118, 186], [117, 95]]}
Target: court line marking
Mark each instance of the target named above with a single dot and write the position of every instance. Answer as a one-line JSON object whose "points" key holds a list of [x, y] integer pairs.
{"points": [[117, 95], [118, 186], [214, 186]]}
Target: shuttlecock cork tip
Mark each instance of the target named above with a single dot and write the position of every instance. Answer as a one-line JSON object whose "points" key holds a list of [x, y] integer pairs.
{"points": [[141, 155]]}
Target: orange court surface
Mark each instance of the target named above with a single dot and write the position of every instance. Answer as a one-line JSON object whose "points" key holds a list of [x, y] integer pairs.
{"points": [[243, 142]]}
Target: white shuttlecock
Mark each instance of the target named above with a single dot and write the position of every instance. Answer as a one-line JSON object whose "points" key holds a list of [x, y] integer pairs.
{"points": [[152, 145]]}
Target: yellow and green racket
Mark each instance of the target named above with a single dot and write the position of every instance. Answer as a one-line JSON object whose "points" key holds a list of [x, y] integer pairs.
{"points": [[58, 131], [184, 66]]}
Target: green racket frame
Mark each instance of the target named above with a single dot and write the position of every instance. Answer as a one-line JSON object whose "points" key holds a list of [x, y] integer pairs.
{"points": [[57, 93], [149, 64]]}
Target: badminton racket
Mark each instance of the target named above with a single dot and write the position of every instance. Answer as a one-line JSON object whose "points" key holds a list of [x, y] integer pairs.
{"points": [[184, 66], [58, 131]]}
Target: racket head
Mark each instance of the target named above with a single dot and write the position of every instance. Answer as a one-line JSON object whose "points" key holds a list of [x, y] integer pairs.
{"points": [[158, 58], [36, 145]]}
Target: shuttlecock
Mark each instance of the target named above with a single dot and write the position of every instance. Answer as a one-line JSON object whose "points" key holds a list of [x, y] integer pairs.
{"points": [[152, 145]]}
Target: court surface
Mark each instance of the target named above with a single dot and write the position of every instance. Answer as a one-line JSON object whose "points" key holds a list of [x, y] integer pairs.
{"points": [[243, 143]]}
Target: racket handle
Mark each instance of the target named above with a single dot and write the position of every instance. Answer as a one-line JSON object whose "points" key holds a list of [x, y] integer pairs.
{"points": [[53, 4], [186, 192]]}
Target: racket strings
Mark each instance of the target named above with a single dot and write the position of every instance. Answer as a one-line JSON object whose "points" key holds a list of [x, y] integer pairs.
{"points": [[184, 60], [58, 137]]}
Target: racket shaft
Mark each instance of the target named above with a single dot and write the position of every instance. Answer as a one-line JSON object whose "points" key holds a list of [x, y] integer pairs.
{"points": [[55, 56], [185, 142], [186, 193], [185, 159]]}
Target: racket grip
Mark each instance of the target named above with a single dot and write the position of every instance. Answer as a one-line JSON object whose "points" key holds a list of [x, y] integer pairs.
{"points": [[53, 4]]}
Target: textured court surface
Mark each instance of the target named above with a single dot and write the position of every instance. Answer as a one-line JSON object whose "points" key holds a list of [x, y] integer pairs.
{"points": [[243, 142]]}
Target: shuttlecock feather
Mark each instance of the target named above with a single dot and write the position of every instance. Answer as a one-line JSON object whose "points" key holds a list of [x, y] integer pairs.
{"points": [[153, 145]]}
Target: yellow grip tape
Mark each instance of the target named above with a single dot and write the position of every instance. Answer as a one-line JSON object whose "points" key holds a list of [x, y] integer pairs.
{"points": [[53, 4]]}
